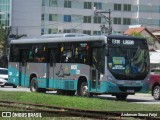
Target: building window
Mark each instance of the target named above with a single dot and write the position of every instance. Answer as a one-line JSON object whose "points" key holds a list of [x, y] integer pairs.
{"points": [[87, 19], [66, 31], [97, 19], [87, 32], [43, 2], [98, 5], [96, 32], [87, 5], [52, 17], [52, 30], [117, 7], [67, 4], [126, 21], [42, 17], [117, 21], [52, 3], [127, 7], [67, 18], [42, 31]]}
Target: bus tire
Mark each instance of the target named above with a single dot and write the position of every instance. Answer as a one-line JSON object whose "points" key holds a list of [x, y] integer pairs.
{"points": [[34, 85], [156, 92], [121, 97], [14, 86], [84, 90]]}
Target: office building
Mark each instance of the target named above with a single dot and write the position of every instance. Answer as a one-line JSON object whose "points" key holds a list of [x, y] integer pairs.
{"points": [[37, 17]]}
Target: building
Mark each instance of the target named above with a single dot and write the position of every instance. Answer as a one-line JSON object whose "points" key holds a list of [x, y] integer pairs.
{"points": [[5, 13], [155, 58], [153, 41], [36, 17]]}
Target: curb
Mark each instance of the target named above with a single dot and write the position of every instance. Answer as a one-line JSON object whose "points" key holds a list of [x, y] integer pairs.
{"points": [[143, 94]]}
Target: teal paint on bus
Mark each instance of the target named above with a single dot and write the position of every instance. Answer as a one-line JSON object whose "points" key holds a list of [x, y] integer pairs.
{"points": [[13, 75]]}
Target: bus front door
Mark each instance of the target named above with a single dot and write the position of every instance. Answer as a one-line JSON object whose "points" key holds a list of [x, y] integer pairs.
{"points": [[22, 67], [94, 80]]}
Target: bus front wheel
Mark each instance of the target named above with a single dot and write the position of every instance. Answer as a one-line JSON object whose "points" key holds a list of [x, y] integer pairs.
{"points": [[34, 85]]}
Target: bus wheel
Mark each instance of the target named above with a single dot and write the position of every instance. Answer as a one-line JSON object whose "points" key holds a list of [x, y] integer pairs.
{"points": [[121, 97], [84, 90], [14, 86], [34, 85], [156, 92]]}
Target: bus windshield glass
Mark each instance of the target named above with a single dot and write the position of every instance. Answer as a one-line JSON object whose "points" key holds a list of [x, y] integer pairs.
{"points": [[128, 62]]}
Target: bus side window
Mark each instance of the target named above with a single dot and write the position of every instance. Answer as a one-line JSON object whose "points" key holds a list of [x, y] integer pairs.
{"points": [[40, 53], [14, 56], [30, 56], [67, 53], [82, 53], [24, 57]]}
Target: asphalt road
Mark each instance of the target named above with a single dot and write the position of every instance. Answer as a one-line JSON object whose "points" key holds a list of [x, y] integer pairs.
{"points": [[137, 98]]}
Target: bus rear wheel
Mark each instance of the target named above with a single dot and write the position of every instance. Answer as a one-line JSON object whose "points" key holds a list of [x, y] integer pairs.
{"points": [[84, 90], [34, 85], [121, 97]]}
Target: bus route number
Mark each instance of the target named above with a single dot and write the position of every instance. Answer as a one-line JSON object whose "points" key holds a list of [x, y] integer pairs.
{"points": [[114, 41]]}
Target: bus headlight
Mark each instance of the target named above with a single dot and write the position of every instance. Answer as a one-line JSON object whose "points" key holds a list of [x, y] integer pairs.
{"points": [[109, 78], [101, 77]]}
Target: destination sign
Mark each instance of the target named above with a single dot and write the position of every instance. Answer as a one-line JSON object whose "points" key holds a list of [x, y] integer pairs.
{"points": [[124, 42]]}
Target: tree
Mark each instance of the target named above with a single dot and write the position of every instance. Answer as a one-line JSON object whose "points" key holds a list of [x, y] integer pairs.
{"points": [[4, 44], [150, 40], [137, 34], [5, 34]]}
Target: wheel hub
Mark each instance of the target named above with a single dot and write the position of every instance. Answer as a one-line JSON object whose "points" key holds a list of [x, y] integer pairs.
{"points": [[85, 91], [156, 93]]}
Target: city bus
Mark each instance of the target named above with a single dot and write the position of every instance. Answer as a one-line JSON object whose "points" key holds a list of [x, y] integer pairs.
{"points": [[86, 65]]}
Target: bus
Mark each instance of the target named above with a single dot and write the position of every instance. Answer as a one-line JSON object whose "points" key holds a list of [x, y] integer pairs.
{"points": [[63, 35], [86, 65]]}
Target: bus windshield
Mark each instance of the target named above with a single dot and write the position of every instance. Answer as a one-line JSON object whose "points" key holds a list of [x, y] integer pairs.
{"points": [[128, 63]]}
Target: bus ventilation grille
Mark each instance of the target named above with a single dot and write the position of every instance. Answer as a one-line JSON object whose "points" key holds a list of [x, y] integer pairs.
{"points": [[69, 85]]}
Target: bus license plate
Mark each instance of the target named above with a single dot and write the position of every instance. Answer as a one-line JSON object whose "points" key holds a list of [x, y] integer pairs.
{"points": [[130, 91]]}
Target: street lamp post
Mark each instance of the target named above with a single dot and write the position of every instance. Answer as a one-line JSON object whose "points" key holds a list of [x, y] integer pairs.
{"points": [[104, 29]]}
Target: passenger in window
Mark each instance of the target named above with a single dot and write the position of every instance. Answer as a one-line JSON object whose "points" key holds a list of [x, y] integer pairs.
{"points": [[77, 56], [68, 56]]}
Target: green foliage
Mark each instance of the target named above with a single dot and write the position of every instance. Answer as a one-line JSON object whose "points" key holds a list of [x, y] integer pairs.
{"points": [[4, 35], [76, 102], [4, 38], [150, 40], [137, 34]]}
